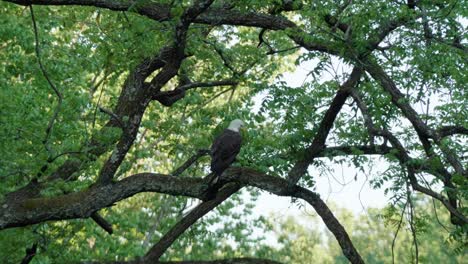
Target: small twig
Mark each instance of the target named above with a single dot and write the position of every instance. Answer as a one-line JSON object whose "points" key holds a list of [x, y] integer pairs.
{"points": [[63, 154], [113, 116], [209, 100], [411, 222], [200, 153], [272, 52]]}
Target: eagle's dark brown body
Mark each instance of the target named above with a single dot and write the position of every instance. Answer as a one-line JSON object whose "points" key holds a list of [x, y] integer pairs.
{"points": [[224, 151]]}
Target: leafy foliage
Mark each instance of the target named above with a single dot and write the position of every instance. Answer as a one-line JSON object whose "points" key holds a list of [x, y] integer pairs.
{"points": [[405, 106]]}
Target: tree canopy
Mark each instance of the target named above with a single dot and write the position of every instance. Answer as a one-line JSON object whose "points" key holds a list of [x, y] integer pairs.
{"points": [[108, 109]]}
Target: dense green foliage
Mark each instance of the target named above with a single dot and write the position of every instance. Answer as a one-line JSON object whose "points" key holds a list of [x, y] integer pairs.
{"points": [[89, 53]]}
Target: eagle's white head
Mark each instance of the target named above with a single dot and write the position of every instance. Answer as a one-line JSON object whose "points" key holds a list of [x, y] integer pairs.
{"points": [[235, 125]]}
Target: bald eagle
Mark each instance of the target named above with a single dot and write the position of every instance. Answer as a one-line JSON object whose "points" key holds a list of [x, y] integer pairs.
{"points": [[226, 147], [223, 153]]}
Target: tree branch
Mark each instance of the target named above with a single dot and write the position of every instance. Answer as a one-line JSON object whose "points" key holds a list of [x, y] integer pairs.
{"points": [[452, 130], [30, 253], [423, 131], [208, 84], [225, 261], [15, 213], [407, 162], [318, 144], [200, 153], [198, 212], [169, 70], [168, 98], [83, 204], [102, 222]]}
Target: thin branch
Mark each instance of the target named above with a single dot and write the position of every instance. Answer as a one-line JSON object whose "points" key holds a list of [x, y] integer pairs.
{"points": [[51, 84], [365, 114], [396, 232], [209, 100], [225, 261], [65, 153], [113, 117], [411, 222], [200, 153]]}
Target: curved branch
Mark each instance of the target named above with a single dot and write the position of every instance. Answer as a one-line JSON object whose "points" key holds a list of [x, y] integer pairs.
{"points": [[407, 162], [225, 261], [52, 85], [423, 131], [169, 70], [198, 212], [155, 11], [15, 213], [281, 187], [83, 204], [318, 143]]}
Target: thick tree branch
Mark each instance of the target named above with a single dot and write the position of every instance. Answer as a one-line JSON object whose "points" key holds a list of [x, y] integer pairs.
{"points": [[318, 143], [169, 70], [155, 11], [14, 213], [83, 204], [30, 253], [407, 162], [208, 84], [225, 261], [198, 212], [423, 131], [452, 130]]}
